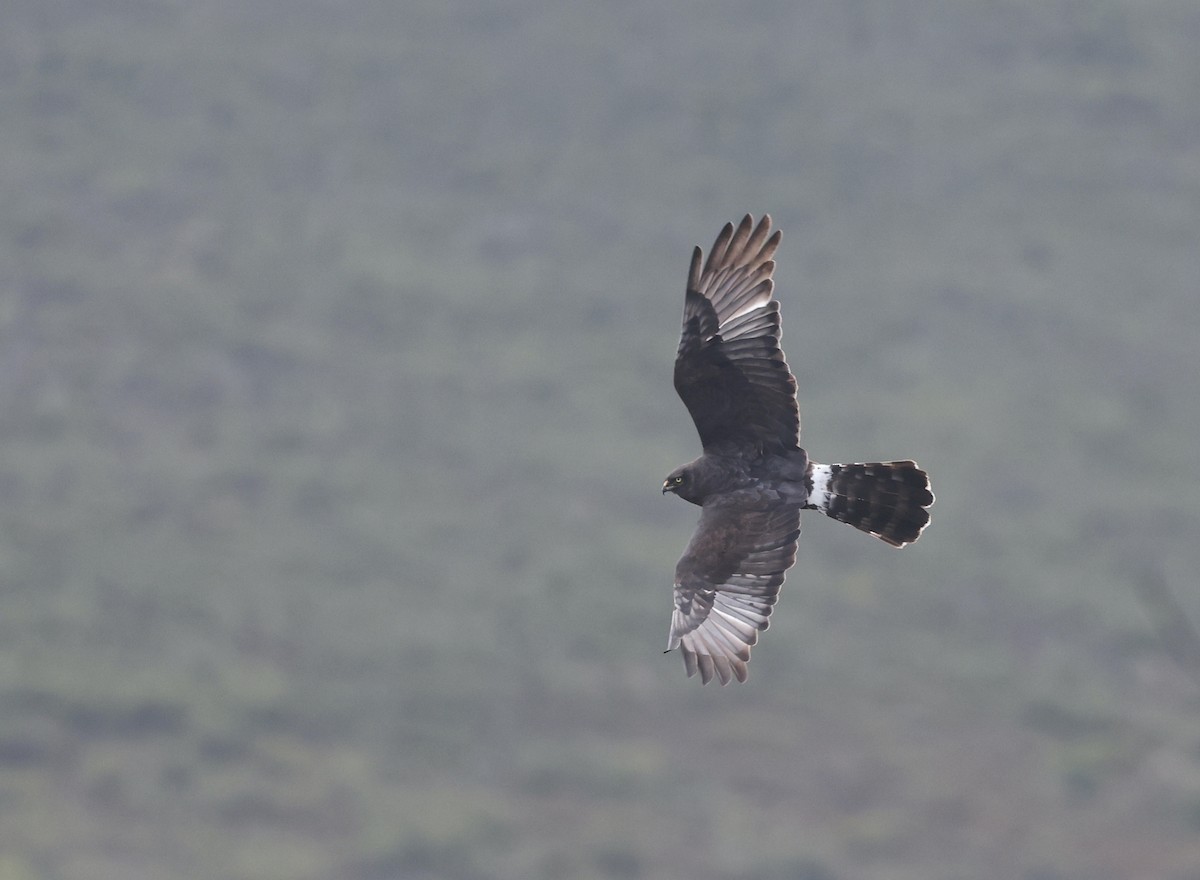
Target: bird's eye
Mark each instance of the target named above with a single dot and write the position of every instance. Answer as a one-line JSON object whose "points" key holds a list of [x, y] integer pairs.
{"points": [[679, 479]]}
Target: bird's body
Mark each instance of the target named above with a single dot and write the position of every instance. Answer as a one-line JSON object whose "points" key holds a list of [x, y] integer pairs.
{"points": [[753, 479]]}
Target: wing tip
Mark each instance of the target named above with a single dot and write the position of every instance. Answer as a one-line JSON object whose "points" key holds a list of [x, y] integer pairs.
{"points": [[710, 667], [694, 271], [711, 661]]}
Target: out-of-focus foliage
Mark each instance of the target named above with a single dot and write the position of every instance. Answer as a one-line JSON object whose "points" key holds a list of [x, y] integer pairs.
{"points": [[335, 348]]}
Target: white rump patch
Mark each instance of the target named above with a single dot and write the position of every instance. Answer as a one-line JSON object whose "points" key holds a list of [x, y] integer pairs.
{"points": [[820, 497]]}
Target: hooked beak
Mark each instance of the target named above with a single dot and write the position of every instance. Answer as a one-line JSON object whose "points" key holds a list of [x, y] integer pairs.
{"points": [[666, 486]]}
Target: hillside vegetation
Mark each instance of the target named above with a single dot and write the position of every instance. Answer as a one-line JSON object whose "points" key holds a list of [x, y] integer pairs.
{"points": [[335, 355]]}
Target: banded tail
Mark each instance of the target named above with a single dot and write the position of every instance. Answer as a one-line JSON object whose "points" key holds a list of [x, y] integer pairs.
{"points": [[888, 499]]}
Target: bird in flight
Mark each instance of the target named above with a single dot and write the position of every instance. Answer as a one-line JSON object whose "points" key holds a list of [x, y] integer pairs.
{"points": [[753, 479]]}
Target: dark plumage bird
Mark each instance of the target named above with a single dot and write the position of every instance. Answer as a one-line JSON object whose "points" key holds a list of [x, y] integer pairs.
{"points": [[754, 479]]}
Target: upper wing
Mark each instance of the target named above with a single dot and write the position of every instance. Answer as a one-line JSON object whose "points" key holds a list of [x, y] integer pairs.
{"points": [[729, 368], [726, 585]]}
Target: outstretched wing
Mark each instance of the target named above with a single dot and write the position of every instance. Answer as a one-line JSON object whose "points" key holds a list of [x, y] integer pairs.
{"points": [[729, 368], [726, 585]]}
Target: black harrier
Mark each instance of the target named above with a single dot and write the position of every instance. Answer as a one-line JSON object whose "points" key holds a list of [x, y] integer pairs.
{"points": [[754, 479]]}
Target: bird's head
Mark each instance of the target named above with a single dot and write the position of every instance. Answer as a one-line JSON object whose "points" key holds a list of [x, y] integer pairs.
{"points": [[673, 481], [679, 481]]}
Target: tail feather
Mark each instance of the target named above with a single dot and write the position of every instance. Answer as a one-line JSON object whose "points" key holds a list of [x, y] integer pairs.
{"points": [[889, 499]]}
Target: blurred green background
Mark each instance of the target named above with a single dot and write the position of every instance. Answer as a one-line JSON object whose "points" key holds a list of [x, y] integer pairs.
{"points": [[335, 356]]}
